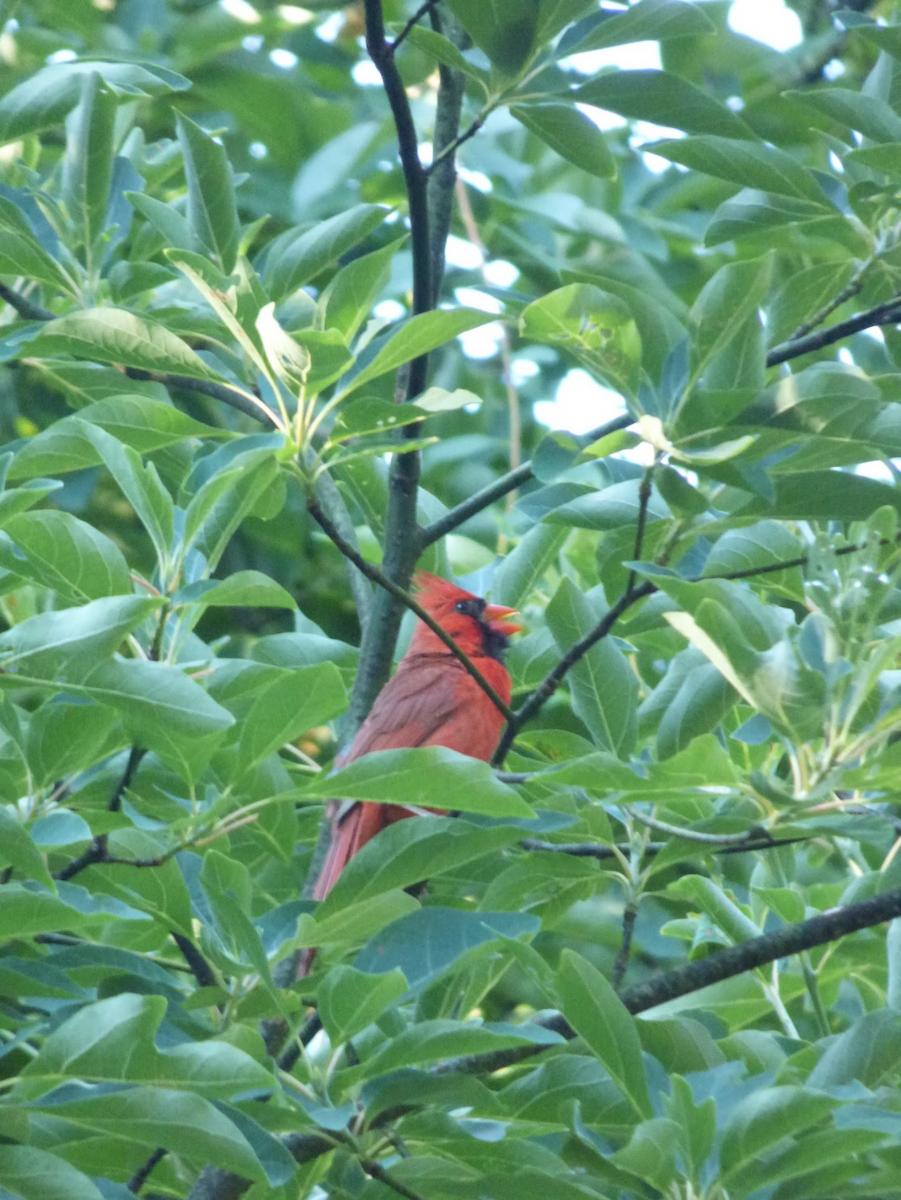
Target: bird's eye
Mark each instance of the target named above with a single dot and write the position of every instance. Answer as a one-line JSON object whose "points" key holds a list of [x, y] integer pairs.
{"points": [[472, 607]]}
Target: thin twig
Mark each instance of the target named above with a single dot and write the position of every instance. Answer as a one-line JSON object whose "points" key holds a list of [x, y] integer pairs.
{"points": [[705, 839], [97, 850], [200, 968], [454, 518], [888, 313], [411, 24], [140, 1176], [26, 308], [720, 965], [372, 572], [555, 677], [630, 913], [377, 1171], [458, 141], [602, 852], [644, 498]]}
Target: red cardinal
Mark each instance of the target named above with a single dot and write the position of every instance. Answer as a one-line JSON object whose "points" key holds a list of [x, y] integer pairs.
{"points": [[431, 700]]}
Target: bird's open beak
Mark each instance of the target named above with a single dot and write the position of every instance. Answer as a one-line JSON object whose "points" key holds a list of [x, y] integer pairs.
{"points": [[496, 616]]}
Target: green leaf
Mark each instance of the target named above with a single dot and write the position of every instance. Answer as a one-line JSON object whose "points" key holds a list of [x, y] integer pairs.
{"points": [[524, 566], [139, 422], [164, 709], [443, 50], [762, 545], [823, 496], [289, 359], [141, 486], [868, 1052], [571, 134], [763, 1119], [407, 852], [650, 20], [348, 1000], [594, 1010], [113, 1041], [73, 637], [424, 777], [721, 318], [652, 1152], [869, 115], [244, 589], [292, 703], [42, 100], [347, 299], [228, 496], [17, 500], [603, 685], [212, 214], [185, 1124], [664, 99], [595, 326], [419, 335], [704, 894], [21, 254], [751, 164], [19, 850], [426, 942], [297, 256], [68, 555], [35, 1174], [432, 1040], [112, 335], [504, 29], [613, 507], [88, 163], [754, 212], [25, 912]]}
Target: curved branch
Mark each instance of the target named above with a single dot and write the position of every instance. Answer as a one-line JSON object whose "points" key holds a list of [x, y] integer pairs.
{"points": [[26, 308], [720, 965], [399, 594], [888, 313], [501, 487], [555, 677]]}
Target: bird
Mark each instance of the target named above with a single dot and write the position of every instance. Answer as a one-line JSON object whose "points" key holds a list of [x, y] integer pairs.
{"points": [[431, 700]]}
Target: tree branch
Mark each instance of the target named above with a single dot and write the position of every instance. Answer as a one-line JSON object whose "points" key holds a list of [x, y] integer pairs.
{"points": [[631, 596], [554, 678], [720, 965], [97, 850], [458, 141], [26, 308], [200, 968], [603, 852], [621, 963], [406, 600], [411, 24], [142, 1174], [401, 549], [888, 313], [496, 491], [441, 182]]}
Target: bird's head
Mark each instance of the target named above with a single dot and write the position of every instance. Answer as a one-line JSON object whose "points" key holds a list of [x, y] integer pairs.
{"points": [[476, 626]]}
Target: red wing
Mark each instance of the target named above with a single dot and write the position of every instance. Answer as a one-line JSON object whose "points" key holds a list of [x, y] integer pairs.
{"points": [[422, 700]]}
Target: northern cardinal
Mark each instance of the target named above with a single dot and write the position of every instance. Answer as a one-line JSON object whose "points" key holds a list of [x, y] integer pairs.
{"points": [[430, 701]]}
